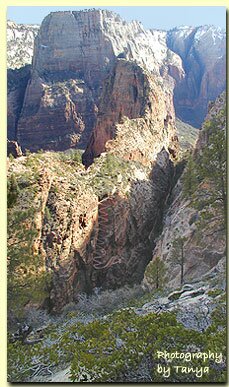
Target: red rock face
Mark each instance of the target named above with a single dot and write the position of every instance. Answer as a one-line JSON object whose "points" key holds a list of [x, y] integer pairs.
{"points": [[71, 58], [129, 92], [73, 69], [124, 94]]}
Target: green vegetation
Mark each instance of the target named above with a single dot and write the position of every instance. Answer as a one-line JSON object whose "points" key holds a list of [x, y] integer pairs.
{"points": [[190, 181], [205, 177], [178, 255], [13, 191], [73, 156], [156, 273], [214, 293], [26, 277], [122, 347], [104, 173]]}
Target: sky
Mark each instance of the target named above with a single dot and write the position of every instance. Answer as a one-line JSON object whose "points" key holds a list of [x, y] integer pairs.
{"points": [[151, 17]]}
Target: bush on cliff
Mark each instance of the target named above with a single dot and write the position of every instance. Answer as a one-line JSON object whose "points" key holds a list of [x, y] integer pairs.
{"points": [[122, 347]]}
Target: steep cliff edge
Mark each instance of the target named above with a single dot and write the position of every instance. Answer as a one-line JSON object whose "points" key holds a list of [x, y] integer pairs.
{"points": [[96, 228], [132, 92], [86, 229], [78, 230], [198, 209]]}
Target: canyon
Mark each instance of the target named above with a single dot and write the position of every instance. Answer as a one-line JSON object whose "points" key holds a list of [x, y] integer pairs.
{"points": [[54, 101], [108, 92], [116, 196]]}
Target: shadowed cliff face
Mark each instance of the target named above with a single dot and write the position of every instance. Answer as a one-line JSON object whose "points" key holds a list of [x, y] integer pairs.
{"points": [[17, 81], [90, 88], [95, 228], [203, 53]]}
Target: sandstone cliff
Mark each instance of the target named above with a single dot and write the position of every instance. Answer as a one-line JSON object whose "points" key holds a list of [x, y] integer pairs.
{"points": [[93, 229], [133, 92], [111, 92], [96, 228]]}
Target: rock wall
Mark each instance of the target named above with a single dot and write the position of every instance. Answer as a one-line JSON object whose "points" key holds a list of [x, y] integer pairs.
{"points": [[204, 247], [132, 92], [56, 115], [17, 81]]}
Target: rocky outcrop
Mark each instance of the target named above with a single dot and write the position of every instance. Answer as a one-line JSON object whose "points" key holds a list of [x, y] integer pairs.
{"points": [[56, 115], [95, 228], [132, 93], [13, 149], [20, 43], [203, 54]]}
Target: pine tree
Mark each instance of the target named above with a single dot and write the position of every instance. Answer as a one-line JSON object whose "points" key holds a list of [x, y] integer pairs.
{"points": [[12, 190], [204, 180], [190, 178], [212, 171], [178, 255], [156, 273]]}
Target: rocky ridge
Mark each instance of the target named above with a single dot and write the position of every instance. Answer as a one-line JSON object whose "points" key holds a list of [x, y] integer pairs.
{"points": [[107, 247], [134, 134], [96, 235], [75, 230]]}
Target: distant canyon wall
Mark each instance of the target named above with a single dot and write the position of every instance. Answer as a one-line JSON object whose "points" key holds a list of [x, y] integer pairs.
{"points": [[56, 104]]}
